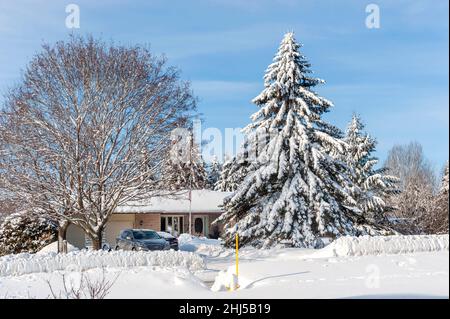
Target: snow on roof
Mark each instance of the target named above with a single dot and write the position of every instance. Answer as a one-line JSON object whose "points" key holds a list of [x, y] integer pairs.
{"points": [[203, 201]]}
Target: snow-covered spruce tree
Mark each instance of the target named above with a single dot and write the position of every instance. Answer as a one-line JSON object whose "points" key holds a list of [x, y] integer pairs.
{"points": [[184, 168], [26, 232], [214, 171], [232, 174], [375, 186], [223, 183], [296, 192]]}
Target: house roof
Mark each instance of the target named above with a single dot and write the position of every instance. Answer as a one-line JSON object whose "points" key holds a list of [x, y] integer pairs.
{"points": [[203, 201]]}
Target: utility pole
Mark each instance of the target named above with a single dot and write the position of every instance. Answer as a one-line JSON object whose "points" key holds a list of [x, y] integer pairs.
{"points": [[191, 146]]}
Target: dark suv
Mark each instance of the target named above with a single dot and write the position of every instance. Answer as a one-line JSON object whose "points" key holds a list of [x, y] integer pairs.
{"points": [[141, 240]]}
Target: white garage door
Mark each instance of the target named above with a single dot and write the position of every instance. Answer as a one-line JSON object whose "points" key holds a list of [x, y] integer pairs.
{"points": [[113, 229]]}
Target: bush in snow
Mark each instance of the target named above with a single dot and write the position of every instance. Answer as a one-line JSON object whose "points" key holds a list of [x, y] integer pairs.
{"points": [[83, 286], [26, 232], [295, 190], [16, 265]]}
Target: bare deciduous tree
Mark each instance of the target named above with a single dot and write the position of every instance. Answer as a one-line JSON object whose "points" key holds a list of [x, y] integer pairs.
{"points": [[437, 221], [414, 204], [87, 128]]}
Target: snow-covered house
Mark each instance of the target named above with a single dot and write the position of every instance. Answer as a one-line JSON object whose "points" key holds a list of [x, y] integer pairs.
{"points": [[170, 213]]}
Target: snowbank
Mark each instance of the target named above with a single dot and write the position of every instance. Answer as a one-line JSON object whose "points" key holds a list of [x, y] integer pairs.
{"points": [[201, 245], [53, 248], [225, 280], [15, 265], [194, 240], [378, 245]]}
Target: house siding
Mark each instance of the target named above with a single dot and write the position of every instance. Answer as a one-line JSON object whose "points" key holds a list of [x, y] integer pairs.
{"points": [[148, 221]]}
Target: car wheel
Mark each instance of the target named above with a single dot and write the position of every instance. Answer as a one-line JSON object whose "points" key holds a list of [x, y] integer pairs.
{"points": [[133, 249], [117, 248]]}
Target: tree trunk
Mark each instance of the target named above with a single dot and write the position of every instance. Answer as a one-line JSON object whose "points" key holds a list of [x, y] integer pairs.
{"points": [[62, 234], [97, 240]]}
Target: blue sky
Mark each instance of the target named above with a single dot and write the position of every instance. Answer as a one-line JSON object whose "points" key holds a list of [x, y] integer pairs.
{"points": [[395, 77]]}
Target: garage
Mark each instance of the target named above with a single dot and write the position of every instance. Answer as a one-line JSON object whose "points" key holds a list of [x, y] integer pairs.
{"points": [[115, 225]]}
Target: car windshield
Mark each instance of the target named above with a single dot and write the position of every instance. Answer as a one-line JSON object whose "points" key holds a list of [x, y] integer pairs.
{"points": [[145, 234]]}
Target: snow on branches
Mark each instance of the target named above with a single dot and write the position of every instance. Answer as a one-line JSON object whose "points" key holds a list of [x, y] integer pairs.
{"points": [[295, 190], [26, 232], [214, 171], [374, 185], [87, 129], [436, 222], [184, 168], [233, 173]]}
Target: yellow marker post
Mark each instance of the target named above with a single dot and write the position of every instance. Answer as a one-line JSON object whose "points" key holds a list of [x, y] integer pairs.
{"points": [[235, 282]]}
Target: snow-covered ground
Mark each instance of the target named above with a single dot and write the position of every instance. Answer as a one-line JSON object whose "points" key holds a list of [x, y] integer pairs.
{"points": [[377, 267]]}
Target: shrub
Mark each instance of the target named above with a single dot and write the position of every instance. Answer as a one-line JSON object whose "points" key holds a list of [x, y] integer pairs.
{"points": [[26, 232]]}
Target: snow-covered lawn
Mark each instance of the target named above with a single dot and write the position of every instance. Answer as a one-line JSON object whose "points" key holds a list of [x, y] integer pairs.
{"points": [[415, 266]]}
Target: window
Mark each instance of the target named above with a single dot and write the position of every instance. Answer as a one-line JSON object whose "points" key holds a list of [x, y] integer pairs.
{"points": [[145, 234], [172, 224], [198, 225], [126, 233], [163, 223]]}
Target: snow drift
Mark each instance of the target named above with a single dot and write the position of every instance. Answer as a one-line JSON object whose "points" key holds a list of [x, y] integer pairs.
{"points": [[225, 280], [20, 264], [53, 247], [377, 245], [201, 245]]}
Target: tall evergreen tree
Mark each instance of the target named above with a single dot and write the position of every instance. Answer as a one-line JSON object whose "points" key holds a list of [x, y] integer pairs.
{"points": [[222, 183], [232, 174], [184, 168], [375, 186], [295, 192], [214, 171]]}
